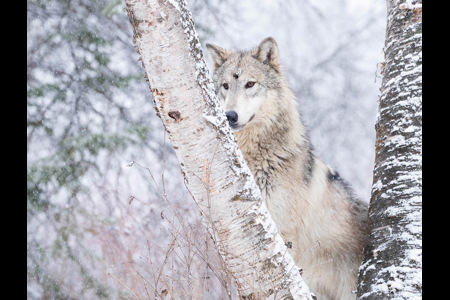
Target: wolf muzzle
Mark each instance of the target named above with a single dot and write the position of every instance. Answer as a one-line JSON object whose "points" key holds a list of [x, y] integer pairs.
{"points": [[232, 117]]}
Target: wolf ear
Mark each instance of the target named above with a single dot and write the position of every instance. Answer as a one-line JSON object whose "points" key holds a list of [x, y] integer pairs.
{"points": [[267, 53], [218, 55]]}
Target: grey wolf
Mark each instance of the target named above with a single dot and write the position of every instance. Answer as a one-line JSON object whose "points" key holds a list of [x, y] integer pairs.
{"points": [[314, 209]]}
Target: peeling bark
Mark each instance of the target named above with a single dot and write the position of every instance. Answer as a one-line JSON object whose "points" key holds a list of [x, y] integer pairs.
{"points": [[392, 266], [213, 166]]}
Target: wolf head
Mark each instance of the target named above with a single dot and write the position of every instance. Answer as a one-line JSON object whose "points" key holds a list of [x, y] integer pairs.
{"points": [[248, 83]]}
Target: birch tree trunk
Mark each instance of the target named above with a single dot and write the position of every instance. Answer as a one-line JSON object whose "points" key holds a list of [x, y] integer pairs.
{"points": [[212, 164], [392, 266]]}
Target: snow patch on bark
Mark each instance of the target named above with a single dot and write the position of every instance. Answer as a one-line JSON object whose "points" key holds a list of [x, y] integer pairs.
{"points": [[175, 4]]}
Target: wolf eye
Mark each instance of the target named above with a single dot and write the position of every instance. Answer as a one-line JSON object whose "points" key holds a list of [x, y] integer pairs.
{"points": [[225, 86], [249, 84]]}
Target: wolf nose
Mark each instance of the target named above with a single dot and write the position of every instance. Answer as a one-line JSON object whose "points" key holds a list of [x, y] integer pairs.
{"points": [[232, 117]]}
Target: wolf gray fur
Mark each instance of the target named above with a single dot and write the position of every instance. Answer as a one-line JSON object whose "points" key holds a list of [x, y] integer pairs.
{"points": [[313, 208]]}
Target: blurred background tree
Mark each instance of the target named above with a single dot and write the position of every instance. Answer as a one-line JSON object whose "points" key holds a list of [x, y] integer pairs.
{"points": [[89, 112], [80, 87]]}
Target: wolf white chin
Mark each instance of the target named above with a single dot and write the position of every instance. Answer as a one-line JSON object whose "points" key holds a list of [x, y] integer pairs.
{"points": [[313, 208]]}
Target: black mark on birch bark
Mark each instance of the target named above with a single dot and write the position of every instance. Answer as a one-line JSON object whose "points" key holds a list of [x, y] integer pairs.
{"points": [[176, 115]]}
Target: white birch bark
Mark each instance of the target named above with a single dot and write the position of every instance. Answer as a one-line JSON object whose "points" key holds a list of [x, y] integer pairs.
{"points": [[392, 266], [213, 166]]}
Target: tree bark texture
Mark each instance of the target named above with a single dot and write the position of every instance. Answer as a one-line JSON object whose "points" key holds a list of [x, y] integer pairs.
{"points": [[212, 164], [392, 265]]}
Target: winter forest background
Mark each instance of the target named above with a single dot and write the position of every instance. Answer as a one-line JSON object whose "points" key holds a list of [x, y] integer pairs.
{"points": [[97, 228]]}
